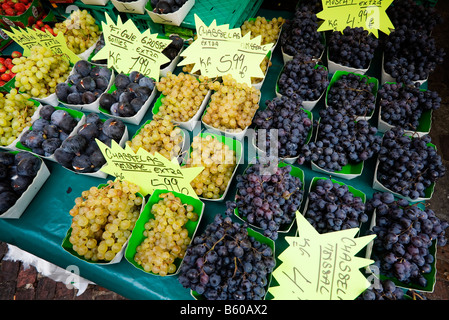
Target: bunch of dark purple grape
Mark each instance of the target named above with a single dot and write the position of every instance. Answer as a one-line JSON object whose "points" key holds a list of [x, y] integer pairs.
{"points": [[17, 172], [299, 35], [411, 55], [341, 141], [314, 6], [403, 105], [131, 93], [80, 152], [352, 47], [225, 263], [268, 196], [352, 93], [332, 207], [173, 49], [166, 6], [85, 85], [288, 122], [384, 290], [413, 15], [404, 235], [49, 131], [98, 46], [302, 79], [408, 165]]}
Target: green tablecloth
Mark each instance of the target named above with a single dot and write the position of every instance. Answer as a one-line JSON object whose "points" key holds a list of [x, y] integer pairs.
{"points": [[43, 226]]}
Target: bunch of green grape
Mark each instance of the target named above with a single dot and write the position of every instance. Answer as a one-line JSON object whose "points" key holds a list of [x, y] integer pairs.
{"points": [[103, 219], [269, 30], [166, 237], [80, 31], [218, 161], [16, 110], [159, 135], [39, 73]]}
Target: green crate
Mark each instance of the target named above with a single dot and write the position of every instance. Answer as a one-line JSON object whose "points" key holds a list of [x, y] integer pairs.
{"points": [[99, 12], [232, 12], [143, 22], [427, 3]]}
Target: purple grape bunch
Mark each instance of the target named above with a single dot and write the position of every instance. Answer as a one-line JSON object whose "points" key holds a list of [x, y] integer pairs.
{"points": [[404, 234]]}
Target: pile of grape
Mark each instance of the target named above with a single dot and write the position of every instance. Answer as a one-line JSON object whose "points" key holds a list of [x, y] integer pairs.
{"points": [[403, 105], [225, 263], [302, 79], [17, 172], [352, 93], [408, 165], [103, 219], [411, 55], [166, 237], [300, 35], [49, 131], [80, 152], [268, 198], [166, 6], [40, 72], [173, 49], [183, 96], [404, 234], [219, 162], [310, 5], [159, 135], [414, 16], [352, 47], [340, 141], [288, 122], [383, 290], [232, 106], [333, 207], [131, 93], [269, 30], [80, 31], [85, 85]]}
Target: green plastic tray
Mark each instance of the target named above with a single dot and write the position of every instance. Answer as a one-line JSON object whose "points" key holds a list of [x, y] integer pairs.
{"points": [[232, 12]]}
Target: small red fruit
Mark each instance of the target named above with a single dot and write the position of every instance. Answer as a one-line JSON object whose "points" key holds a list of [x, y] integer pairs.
{"points": [[2, 68], [5, 77], [2, 83], [16, 54]]}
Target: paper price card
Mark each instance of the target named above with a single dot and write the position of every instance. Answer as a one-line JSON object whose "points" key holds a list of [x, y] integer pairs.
{"points": [[28, 38], [321, 266], [218, 51], [368, 14], [148, 171]]}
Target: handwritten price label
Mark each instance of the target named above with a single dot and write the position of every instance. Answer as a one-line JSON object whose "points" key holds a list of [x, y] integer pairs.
{"points": [[321, 266], [218, 51], [149, 171], [368, 14]]}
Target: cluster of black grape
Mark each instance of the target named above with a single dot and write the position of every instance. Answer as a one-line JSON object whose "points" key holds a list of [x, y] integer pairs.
{"points": [[17, 172], [85, 85], [413, 15], [268, 197], [310, 5], [302, 79], [411, 55], [408, 165], [166, 6], [80, 152], [352, 93], [332, 207], [225, 263], [291, 122], [404, 234], [341, 141], [402, 105], [131, 92], [49, 131], [172, 50], [352, 47], [300, 35], [384, 290]]}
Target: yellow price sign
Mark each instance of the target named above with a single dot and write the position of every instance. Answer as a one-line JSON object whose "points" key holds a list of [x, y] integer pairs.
{"points": [[149, 171], [368, 14], [321, 266]]}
